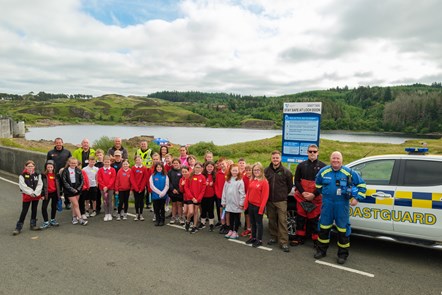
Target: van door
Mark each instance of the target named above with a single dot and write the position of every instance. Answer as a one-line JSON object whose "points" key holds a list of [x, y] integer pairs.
{"points": [[374, 213], [418, 200]]}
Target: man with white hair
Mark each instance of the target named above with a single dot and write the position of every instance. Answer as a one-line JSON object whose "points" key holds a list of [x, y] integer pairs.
{"points": [[83, 153], [340, 186]]}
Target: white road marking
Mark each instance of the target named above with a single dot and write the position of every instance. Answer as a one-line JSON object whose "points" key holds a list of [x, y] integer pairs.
{"points": [[346, 268], [244, 243], [132, 215], [7, 180], [176, 226]]}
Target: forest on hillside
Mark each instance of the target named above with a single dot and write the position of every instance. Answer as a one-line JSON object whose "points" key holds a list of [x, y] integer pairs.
{"points": [[411, 108]]}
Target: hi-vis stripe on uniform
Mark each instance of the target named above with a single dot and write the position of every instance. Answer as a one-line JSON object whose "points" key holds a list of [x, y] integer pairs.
{"points": [[406, 199]]}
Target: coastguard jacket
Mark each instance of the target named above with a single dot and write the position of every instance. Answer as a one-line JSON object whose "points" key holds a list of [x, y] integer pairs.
{"points": [[342, 184]]}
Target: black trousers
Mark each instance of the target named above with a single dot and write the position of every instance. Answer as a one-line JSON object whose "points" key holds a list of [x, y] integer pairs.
{"points": [[234, 221], [207, 205], [81, 200], [139, 202], [256, 222], [25, 209], [159, 209], [123, 197], [53, 199]]}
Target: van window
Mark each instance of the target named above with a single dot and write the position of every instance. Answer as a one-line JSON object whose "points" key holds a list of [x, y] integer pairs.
{"points": [[376, 172], [423, 173]]}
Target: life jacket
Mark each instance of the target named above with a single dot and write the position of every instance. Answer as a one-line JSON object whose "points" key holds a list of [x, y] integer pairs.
{"points": [[146, 156]]}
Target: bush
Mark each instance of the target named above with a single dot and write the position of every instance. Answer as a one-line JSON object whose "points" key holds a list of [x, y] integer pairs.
{"points": [[201, 147], [103, 143]]}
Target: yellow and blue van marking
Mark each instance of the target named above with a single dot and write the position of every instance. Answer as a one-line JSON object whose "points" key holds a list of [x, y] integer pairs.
{"points": [[406, 199]]}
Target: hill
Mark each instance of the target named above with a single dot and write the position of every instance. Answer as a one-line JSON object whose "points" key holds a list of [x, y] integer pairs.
{"points": [[411, 109]]}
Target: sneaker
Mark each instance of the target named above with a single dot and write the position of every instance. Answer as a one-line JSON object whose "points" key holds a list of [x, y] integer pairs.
{"points": [[109, 217], [84, 216], [187, 226], [257, 244], [154, 219], [124, 216], [172, 220], [74, 220], [151, 210], [44, 225], [229, 234], [83, 222], [54, 222], [93, 214], [285, 248], [211, 227], [141, 217], [246, 233], [251, 241], [182, 222], [16, 232], [218, 224], [234, 235], [68, 207], [194, 230], [136, 218], [87, 214], [118, 218], [115, 213], [201, 226], [167, 209], [225, 230]]}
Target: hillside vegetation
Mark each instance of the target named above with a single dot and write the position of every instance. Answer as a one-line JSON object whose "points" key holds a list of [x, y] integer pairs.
{"points": [[411, 109]]}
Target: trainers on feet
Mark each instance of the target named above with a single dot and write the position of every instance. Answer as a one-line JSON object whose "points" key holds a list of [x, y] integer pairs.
{"points": [[87, 214], [257, 244], [246, 233], [172, 220], [84, 216], [118, 218], [124, 216], [93, 214], [44, 225], [201, 226], [211, 227], [83, 222], [136, 218], [194, 230], [54, 222], [74, 220], [141, 217], [187, 226], [229, 234], [250, 241], [234, 235]]}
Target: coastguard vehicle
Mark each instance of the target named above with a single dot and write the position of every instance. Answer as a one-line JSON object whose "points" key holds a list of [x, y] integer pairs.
{"points": [[404, 198]]}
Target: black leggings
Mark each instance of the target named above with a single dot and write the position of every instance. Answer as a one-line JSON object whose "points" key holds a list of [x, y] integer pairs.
{"points": [[25, 209], [256, 222], [53, 198], [234, 221], [207, 205], [123, 199], [159, 209], [139, 202]]}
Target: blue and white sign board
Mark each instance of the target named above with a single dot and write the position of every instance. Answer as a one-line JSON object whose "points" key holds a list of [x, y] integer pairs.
{"points": [[300, 128]]}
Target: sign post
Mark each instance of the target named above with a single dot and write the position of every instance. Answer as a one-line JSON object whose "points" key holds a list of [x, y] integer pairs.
{"points": [[301, 126]]}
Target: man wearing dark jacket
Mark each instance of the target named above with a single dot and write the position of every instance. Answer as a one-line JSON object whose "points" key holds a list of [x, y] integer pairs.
{"points": [[60, 156], [280, 184]]}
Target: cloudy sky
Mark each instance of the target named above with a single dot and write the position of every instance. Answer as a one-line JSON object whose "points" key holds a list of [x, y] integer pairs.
{"points": [[257, 47]]}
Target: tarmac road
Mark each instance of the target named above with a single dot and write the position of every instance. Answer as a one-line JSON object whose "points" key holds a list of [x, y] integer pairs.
{"points": [[128, 257]]}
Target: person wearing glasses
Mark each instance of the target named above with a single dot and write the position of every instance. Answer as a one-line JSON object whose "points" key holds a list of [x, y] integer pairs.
{"points": [[308, 198]]}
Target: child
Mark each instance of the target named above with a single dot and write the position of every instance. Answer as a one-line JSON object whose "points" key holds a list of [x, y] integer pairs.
{"points": [[30, 185], [183, 189], [183, 155], [233, 199], [195, 187], [73, 181], [84, 193], [159, 184], [247, 175], [138, 181], [93, 193], [220, 179], [208, 201], [122, 189], [208, 157], [167, 168], [174, 192], [99, 156], [191, 160], [106, 182], [255, 202], [117, 163], [51, 193]]}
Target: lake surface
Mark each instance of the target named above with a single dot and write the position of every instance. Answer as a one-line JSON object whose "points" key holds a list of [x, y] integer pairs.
{"points": [[188, 135]]}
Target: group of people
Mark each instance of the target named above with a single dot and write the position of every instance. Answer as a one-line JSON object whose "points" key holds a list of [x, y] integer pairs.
{"points": [[92, 180]]}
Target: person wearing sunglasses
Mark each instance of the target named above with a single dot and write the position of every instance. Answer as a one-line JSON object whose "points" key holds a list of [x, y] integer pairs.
{"points": [[308, 198]]}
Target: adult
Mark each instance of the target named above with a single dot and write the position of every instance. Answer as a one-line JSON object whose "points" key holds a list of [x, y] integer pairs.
{"points": [[280, 184], [117, 147], [60, 156], [83, 153], [145, 153], [339, 186], [308, 198]]}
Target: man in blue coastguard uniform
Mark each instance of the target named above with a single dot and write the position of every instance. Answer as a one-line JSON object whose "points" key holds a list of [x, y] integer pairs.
{"points": [[340, 186]]}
